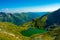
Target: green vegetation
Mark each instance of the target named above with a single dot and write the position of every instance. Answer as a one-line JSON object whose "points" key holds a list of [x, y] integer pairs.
{"points": [[17, 18], [40, 22], [29, 32], [43, 36], [10, 31]]}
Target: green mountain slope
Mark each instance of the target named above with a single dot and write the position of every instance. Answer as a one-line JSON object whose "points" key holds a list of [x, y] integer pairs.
{"points": [[53, 29], [19, 18], [35, 29], [10, 31]]}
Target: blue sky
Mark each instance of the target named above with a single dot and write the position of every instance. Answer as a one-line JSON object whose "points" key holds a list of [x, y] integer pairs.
{"points": [[29, 5]]}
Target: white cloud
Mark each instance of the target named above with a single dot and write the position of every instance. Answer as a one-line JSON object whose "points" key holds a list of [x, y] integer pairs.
{"points": [[47, 8]]}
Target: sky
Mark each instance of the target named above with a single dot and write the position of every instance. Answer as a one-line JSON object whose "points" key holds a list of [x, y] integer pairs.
{"points": [[29, 5]]}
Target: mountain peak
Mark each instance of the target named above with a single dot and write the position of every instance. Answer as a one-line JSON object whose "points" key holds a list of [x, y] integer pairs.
{"points": [[57, 10]]}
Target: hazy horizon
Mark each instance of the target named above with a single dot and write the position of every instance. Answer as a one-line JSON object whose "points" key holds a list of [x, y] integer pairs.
{"points": [[29, 5]]}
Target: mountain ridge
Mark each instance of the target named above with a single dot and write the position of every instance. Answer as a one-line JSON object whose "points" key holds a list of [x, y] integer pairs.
{"points": [[19, 19]]}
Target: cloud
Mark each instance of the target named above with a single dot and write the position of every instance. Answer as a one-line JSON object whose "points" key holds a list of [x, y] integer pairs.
{"points": [[46, 8]]}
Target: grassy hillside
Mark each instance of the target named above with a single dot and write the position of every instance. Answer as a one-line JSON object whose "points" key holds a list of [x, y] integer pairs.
{"points": [[36, 29], [53, 32], [10, 31]]}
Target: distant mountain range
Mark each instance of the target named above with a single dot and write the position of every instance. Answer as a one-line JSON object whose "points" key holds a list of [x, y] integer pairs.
{"points": [[19, 18], [32, 26], [48, 20]]}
